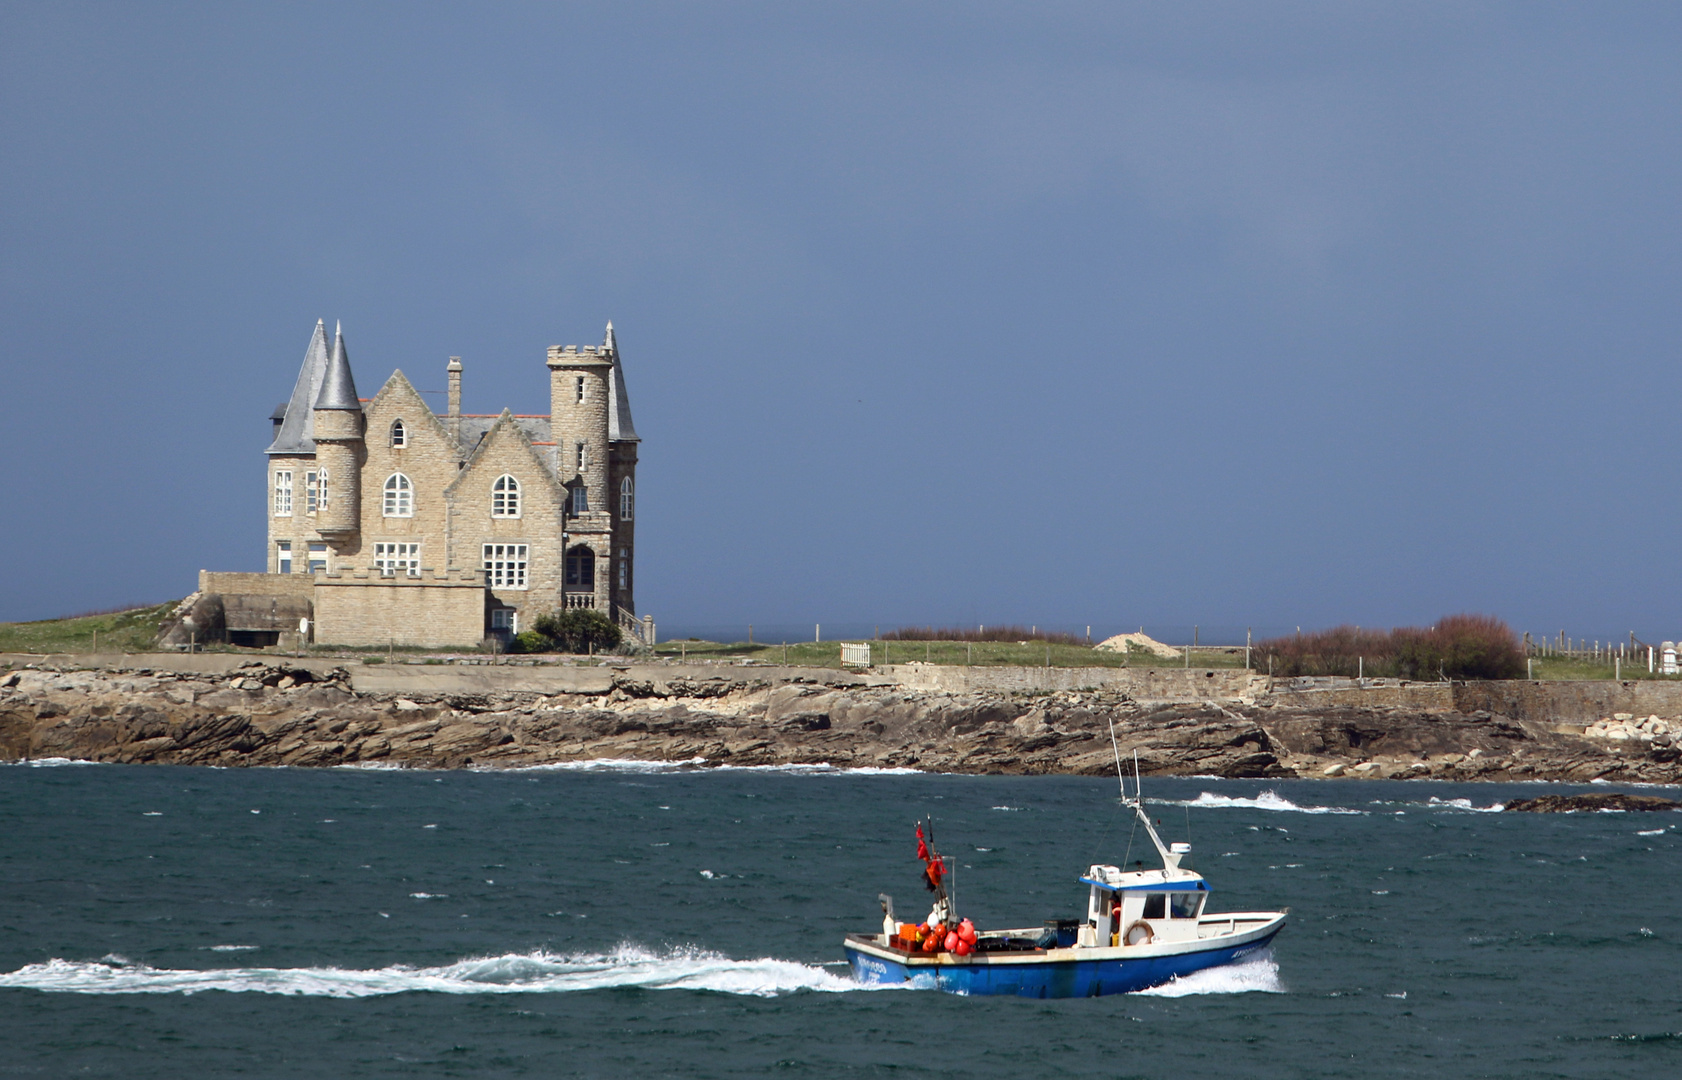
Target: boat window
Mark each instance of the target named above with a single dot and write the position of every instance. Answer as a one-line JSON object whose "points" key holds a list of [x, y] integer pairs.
{"points": [[1154, 904], [1184, 905]]}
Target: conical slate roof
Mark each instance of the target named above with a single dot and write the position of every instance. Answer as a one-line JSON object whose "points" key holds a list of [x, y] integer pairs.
{"points": [[338, 389], [619, 426], [297, 431]]}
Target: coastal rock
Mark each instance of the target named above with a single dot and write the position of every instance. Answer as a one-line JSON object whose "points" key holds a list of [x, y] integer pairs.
{"points": [[286, 714], [1612, 800]]}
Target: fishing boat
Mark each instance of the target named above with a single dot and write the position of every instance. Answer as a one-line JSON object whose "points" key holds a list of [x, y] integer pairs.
{"points": [[1143, 928]]}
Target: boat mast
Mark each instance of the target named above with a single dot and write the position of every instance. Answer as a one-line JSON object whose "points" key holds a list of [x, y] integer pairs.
{"points": [[1170, 858]]}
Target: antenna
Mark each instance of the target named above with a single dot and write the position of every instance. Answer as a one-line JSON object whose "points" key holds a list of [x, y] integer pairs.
{"points": [[1119, 777]]}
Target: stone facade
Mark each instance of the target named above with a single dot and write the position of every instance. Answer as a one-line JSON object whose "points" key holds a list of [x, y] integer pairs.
{"points": [[422, 529]]}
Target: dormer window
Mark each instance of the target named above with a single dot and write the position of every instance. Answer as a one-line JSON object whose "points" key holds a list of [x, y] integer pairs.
{"points": [[399, 436]]}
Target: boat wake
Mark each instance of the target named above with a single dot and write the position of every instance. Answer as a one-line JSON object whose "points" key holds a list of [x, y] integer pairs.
{"points": [[1258, 973], [1267, 800], [512, 973]]}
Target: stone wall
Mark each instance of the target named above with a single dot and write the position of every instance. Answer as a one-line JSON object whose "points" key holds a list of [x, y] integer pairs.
{"points": [[1575, 702], [1141, 684], [441, 611], [1429, 696], [297, 586]]}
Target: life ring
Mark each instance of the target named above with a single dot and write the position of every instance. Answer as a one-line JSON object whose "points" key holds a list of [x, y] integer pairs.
{"points": [[1133, 936]]}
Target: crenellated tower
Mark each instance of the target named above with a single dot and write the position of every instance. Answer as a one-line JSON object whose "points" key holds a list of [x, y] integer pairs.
{"points": [[579, 385]]}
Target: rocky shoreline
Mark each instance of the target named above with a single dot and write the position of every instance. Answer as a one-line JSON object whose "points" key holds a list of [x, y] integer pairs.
{"points": [[271, 713]]}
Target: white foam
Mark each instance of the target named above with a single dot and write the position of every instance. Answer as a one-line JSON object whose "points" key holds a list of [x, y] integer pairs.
{"points": [[1257, 973], [1267, 800], [514, 973], [699, 765], [1650, 832], [821, 768], [1464, 804], [611, 765], [52, 762]]}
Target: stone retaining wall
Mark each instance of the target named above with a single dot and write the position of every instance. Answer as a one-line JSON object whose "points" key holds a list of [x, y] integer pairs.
{"points": [[1139, 683]]}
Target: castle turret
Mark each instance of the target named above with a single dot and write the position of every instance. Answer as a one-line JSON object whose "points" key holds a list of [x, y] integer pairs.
{"points": [[579, 389], [339, 450]]}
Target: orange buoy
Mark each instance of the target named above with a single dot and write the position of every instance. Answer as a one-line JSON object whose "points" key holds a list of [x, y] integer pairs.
{"points": [[963, 948], [952, 941]]}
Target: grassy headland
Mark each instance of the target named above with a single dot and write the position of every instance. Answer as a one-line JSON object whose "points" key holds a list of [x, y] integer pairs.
{"points": [[130, 630]]}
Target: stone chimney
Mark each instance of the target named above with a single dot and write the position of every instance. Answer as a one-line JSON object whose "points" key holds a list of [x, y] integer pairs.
{"points": [[454, 421]]}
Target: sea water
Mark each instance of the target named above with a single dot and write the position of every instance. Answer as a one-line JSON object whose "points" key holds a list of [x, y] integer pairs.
{"points": [[626, 920]]}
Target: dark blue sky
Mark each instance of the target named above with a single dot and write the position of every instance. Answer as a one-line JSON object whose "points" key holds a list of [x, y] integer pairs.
{"points": [[1257, 314]]}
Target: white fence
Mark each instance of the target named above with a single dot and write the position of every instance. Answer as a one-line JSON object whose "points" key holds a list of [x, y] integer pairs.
{"points": [[855, 655]]}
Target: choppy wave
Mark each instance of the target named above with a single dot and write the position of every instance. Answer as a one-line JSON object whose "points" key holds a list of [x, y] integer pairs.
{"points": [[1267, 800], [822, 768], [513, 973], [1463, 804], [51, 762], [610, 765], [1258, 973], [699, 765]]}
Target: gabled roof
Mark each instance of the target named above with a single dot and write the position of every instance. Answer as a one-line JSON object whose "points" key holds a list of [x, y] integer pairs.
{"points": [[338, 389], [297, 431], [506, 426]]}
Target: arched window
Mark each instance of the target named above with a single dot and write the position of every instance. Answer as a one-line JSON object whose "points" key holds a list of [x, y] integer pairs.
{"points": [[399, 436], [580, 569], [399, 496], [626, 495], [505, 497]]}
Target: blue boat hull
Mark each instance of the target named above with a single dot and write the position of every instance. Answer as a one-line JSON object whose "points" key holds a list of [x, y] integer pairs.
{"points": [[1048, 978]]}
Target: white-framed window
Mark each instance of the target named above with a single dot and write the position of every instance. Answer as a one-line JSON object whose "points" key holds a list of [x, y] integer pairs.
{"points": [[283, 493], [399, 434], [580, 500], [318, 559], [505, 497], [627, 496], [581, 388], [505, 619], [283, 557], [312, 492], [399, 496], [583, 456], [505, 566], [624, 568], [393, 559]]}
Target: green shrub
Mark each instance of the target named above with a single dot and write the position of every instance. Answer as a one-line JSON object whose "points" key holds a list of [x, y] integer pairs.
{"points": [[530, 641], [576, 630]]}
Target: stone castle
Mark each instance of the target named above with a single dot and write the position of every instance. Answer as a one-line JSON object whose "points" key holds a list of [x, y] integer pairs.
{"points": [[391, 524]]}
